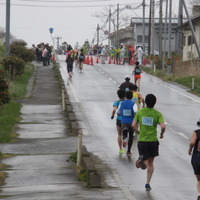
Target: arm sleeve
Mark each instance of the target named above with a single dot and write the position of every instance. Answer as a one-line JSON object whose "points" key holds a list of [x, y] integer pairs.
{"points": [[135, 108]]}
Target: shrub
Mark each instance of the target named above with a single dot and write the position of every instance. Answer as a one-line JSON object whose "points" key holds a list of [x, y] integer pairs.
{"points": [[13, 65], [4, 90], [22, 52]]}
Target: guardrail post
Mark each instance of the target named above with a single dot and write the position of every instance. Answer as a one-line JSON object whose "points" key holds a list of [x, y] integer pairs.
{"points": [[79, 153], [63, 99]]}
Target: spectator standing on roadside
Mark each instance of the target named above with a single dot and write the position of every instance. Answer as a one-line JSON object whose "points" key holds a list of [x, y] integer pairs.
{"points": [[117, 54], [45, 55], [103, 55], [194, 150], [122, 55]]}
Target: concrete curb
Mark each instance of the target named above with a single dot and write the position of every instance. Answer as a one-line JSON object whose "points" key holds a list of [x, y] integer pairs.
{"points": [[87, 163]]}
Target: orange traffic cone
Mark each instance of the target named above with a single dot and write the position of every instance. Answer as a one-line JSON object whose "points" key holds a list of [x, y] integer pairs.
{"points": [[144, 61], [97, 60], [91, 61], [53, 57], [87, 60], [109, 61], [134, 60], [119, 62], [131, 61], [114, 61]]}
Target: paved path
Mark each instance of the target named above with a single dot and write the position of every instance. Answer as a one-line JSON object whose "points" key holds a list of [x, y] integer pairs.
{"points": [[40, 168]]}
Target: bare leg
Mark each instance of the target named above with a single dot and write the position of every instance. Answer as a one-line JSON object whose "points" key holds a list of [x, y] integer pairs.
{"points": [[198, 183], [150, 169], [119, 130]]}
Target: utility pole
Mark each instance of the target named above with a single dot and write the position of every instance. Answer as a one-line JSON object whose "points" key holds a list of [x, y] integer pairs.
{"points": [[169, 37], [191, 28], [149, 35], [7, 39], [98, 35], [180, 34], [165, 34], [117, 25], [160, 29], [109, 25], [143, 26], [152, 33]]}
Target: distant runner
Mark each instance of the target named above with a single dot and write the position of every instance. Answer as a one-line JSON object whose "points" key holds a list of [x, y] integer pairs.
{"points": [[137, 74]]}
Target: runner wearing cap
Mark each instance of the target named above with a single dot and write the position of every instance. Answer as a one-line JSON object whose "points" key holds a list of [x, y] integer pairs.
{"points": [[125, 85]]}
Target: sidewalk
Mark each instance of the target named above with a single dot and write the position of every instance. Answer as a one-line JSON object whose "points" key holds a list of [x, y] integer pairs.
{"points": [[40, 168]]}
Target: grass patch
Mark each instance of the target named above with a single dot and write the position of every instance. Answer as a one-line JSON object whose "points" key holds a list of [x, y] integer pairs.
{"points": [[73, 157], [8, 119], [185, 81], [10, 114], [17, 88]]}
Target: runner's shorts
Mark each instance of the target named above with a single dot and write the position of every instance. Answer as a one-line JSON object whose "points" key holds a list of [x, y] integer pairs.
{"points": [[137, 76], [148, 149], [118, 122], [195, 161]]}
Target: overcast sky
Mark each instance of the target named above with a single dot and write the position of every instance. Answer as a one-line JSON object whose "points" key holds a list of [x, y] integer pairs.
{"points": [[72, 20]]}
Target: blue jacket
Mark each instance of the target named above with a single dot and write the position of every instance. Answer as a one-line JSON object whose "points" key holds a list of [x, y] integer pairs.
{"points": [[126, 111]]}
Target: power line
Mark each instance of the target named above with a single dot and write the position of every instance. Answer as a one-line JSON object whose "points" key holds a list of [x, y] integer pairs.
{"points": [[53, 1], [64, 6]]}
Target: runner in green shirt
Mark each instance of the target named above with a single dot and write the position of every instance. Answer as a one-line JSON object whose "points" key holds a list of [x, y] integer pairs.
{"points": [[147, 120]]}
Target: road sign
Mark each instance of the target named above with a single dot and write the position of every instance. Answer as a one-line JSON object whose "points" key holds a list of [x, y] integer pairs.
{"points": [[51, 30]]}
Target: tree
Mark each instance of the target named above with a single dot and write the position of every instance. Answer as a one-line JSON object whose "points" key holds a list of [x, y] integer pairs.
{"points": [[124, 19]]}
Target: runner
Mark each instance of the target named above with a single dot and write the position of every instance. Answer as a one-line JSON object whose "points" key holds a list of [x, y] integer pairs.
{"points": [[194, 150], [137, 74], [81, 58], [137, 97], [69, 61], [127, 110], [121, 95], [125, 85], [148, 145]]}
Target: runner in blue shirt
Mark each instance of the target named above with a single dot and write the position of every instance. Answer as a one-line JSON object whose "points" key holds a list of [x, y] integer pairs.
{"points": [[121, 95], [127, 110]]}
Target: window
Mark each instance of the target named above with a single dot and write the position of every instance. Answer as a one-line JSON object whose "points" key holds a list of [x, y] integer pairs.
{"points": [[190, 40], [139, 39], [184, 40]]}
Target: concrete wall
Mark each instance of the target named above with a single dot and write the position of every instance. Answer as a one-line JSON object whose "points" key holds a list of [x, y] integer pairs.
{"points": [[187, 68]]}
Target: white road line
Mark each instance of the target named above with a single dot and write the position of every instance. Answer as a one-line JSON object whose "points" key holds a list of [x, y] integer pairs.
{"points": [[183, 135], [64, 75], [177, 91]]}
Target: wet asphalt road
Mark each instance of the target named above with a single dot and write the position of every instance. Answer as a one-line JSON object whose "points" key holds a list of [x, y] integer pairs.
{"points": [[92, 93]]}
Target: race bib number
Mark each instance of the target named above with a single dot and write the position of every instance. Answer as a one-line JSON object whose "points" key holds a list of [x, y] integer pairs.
{"points": [[127, 112], [148, 121]]}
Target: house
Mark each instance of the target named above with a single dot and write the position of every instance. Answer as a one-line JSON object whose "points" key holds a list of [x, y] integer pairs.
{"points": [[125, 35], [189, 48], [134, 34]]}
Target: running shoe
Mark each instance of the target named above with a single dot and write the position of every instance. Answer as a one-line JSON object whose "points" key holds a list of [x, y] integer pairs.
{"points": [[121, 151], [148, 187], [139, 161], [124, 143], [128, 153]]}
